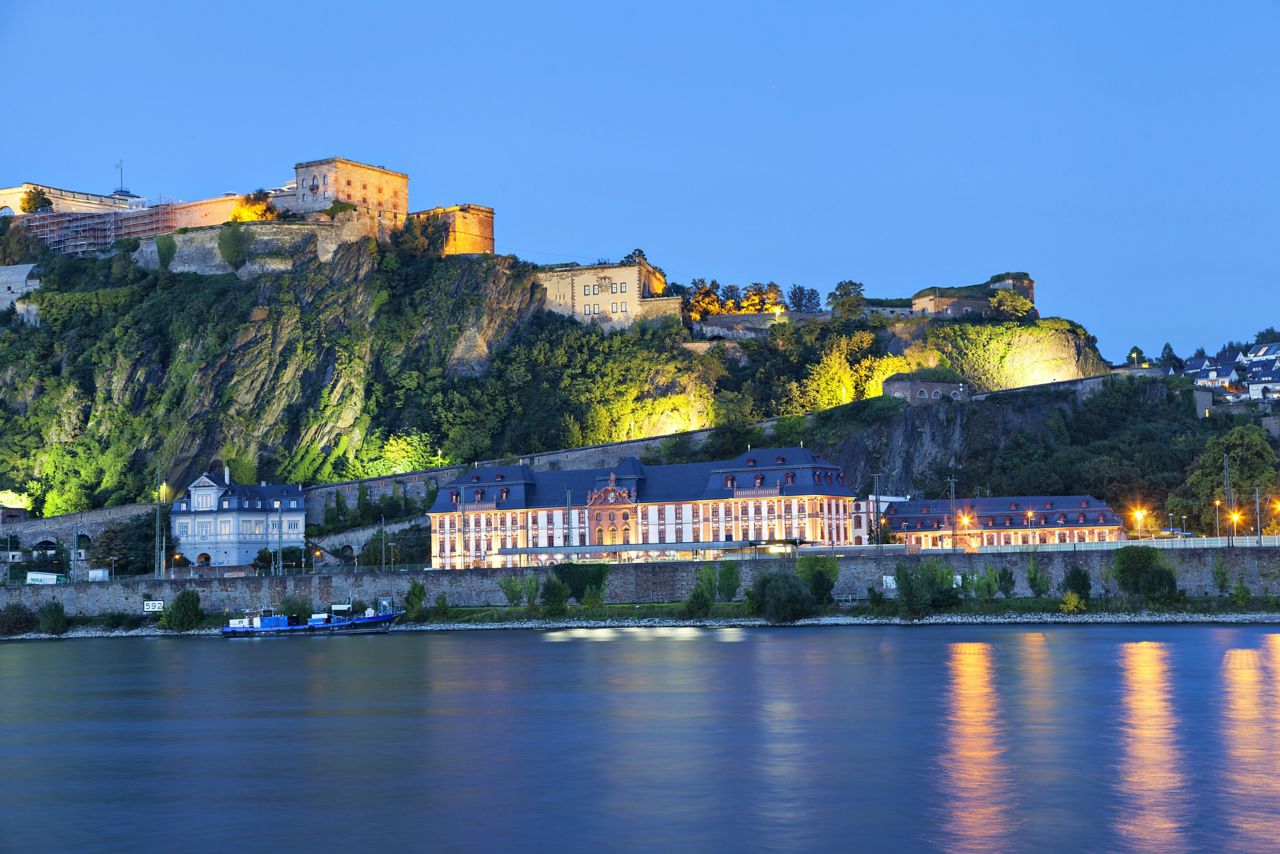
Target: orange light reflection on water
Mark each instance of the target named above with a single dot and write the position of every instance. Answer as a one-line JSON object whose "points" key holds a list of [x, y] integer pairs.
{"points": [[1251, 786], [975, 777], [1152, 781]]}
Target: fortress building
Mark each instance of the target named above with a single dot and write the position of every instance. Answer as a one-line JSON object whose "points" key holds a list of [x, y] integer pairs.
{"points": [[614, 295], [318, 184], [469, 228], [505, 516]]}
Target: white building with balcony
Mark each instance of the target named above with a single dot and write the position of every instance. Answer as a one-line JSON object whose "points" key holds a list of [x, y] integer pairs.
{"points": [[223, 523]]}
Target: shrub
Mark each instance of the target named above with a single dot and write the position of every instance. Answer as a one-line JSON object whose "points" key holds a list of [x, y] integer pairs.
{"points": [[295, 606], [513, 588], [233, 244], [593, 599], [925, 588], [531, 585], [51, 618], [1140, 572], [875, 598], [359, 606], [1077, 581], [555, 595], [819, 572], [1037, 579], [184, 613], [339, 207], [1221, 576], [1241, 595], [703, 594], [166, 248], [984, 585], [729, 581], [782, 597], [1006, 581], [16, 619], [1072, 603], [580, 576], [441, 610], [414, 599]]}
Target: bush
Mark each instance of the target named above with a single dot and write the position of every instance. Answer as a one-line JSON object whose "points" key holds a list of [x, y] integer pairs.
{"points": [[16, 619], [414, 599], [702, 596], [729, 581], [580, 576], [184, 613], [1037, 579], [1072, 603], [1006, 581], [593, 599], [339, 207], [440, 612], [513, 588], [1140, 572], [531, 584], [925, 588], [1241, 595], [555, 595], [51, 618], [166, 248], [1221, 576], [1077, 581], [296, 607], [984, 585], [819, 573], [782, 597], [875, 598], [233, 244]]}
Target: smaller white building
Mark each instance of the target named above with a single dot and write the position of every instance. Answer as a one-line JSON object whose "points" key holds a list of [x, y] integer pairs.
{"points": [[222, 523]]}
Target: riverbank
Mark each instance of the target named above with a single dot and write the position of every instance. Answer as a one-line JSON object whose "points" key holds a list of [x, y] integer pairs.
{"points": [[1011, 618]]}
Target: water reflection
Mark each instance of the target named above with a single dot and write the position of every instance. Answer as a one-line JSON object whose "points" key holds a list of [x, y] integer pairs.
{"points": [[1152, 781], [1251, 788], [979, 798]]}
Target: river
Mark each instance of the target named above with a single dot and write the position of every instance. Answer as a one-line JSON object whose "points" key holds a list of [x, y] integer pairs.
{"points": [[946, 738]]}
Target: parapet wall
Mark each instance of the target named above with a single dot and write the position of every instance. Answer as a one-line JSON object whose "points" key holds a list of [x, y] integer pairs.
{"points": [[639, 583]]}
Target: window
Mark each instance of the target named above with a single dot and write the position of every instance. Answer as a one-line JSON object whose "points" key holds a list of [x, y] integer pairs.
{"points": [[759, 480], [293, 502], [224, 528], [599, 535], [364, 186], [204, 501], [203, 529], [790, 478], [246, 527], [728, 482], [624, 308], [586, 309], [922, 393], [276, 504], [183, 529], [613, 287], [453, 496], [613, 308], [293, 526], [348, 184], [503, 494], [225, 503], [324, 179], [622, 288], [479, 494], [586, 290], [595, 289]]}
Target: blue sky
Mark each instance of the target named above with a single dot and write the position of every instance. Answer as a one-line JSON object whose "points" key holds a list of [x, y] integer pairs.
{"points": [[1125, 154]]}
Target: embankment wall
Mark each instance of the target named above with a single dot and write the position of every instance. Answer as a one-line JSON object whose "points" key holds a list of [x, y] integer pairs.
{"points": [[641, 583]]}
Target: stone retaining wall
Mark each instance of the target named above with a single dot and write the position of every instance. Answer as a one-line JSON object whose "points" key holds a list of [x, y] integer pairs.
{"points": [[641, 583]]}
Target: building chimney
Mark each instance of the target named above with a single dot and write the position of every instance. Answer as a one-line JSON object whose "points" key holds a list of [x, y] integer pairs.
{"points": [[226, 475]]}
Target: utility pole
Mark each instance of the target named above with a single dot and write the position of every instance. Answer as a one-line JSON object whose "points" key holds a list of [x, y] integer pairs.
{"points": [[382, 532], [875, 506], [1257, 509], [1231, 503], [951, 483], [159, 555]]}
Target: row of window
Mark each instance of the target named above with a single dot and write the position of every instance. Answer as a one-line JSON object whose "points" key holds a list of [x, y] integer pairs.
{"points": [[204, 501], [324, 182], [247, 528], [596, 290], [614, 308]]}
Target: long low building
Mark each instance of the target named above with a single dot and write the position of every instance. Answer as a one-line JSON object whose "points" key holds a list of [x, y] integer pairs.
{"points": [[506, 516], [1018, 520]]}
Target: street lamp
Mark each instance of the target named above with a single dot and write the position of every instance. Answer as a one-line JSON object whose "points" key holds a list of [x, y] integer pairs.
{"points": [[964, 522], [1235, 523], [1138, 515], [1217, 519], [1031, 520]]}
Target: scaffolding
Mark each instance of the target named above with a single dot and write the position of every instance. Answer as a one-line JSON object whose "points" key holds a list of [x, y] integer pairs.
{"points": [[83, 233]]}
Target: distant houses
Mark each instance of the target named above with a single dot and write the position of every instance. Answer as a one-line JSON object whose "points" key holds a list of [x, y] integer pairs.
{"points": [[1252, 373]]}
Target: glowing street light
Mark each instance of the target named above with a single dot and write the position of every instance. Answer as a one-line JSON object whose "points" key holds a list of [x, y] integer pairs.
{"points": [[1235, 523], [1139, 515], [1217, 518]]}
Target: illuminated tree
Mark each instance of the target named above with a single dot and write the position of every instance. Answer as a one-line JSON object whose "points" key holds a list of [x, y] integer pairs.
{"points": [[34, 200], [704, 300], [1012, 306], [254, 206], [1254, 465]]}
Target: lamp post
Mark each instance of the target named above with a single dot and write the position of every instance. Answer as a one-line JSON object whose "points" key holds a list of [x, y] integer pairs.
{"points": [[1217, 519], [1138, 515], [964, 520], [1235, 524], [1031, 535]]}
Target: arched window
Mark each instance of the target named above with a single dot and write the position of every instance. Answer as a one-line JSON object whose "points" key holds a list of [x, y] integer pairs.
{"points": [[504, 493], [728, 481], [453, 496], [626, 536], [6, 211], [599, 517], [955, 395], [922, 393], [613, 536], [937, 395], [479, 494], [599, 535]]}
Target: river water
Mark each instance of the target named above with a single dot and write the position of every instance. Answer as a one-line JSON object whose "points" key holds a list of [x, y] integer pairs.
{"points": [[1085, 738]]}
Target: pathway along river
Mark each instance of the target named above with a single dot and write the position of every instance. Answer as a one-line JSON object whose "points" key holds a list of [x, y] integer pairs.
{"points": [[1092, 738]]}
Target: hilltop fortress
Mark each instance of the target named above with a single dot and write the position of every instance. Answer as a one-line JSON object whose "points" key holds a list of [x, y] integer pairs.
{"points": [[74, 222]]}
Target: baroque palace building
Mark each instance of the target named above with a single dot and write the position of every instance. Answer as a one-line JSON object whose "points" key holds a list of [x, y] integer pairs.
{"points": [[508, 516], [1019, 520]]}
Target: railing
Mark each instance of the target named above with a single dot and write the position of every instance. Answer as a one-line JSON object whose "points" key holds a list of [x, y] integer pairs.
{"points": [[1240, 541]]}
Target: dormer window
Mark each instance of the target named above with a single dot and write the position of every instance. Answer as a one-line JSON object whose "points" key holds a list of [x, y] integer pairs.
{"points": [[1013, 505], [759, 480], [503, 494], [453, 496], [479, 494], [475, 478], [499, 476], [789, 477], [751, 461], [728, 481]]}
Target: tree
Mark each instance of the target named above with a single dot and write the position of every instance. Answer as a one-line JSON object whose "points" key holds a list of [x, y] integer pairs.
{"points": [[414, 599], [184, 613], [35, 200], [1169, 360], [698, 605], [1006, 581], [925, 588], [802, 300], [1254, 465], [1037, 579], [531, 585], [1136, 356], [555, 596], [512, 588], [1076, 580], [729, 581], [704, 299], [128, 548], [730, 296], [1139, 571], [819, 572], [1011, 306], [782, 597], [295, 606], [16, 619], [847, 299]]}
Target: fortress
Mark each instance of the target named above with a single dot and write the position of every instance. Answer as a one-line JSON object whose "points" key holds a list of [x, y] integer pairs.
{"points": [[76, 223]]}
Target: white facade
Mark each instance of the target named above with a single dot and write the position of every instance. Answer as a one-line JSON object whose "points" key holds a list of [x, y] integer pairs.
{"points": [[222, 523]]}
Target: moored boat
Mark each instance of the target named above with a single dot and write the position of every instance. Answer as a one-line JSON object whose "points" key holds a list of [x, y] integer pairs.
{"points": [[268, 624]]}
